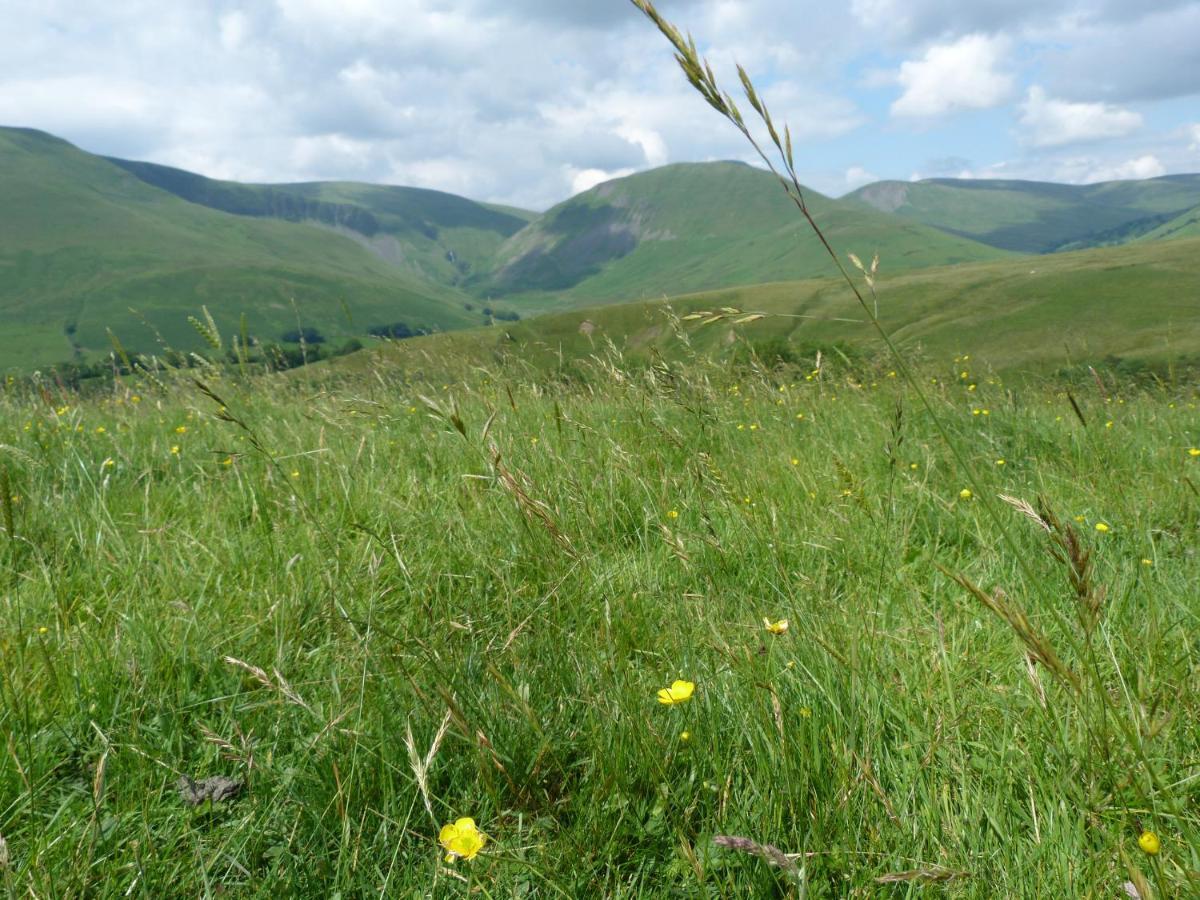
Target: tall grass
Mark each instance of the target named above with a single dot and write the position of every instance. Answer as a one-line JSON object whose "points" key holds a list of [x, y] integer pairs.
{"points": [[396, 613]]}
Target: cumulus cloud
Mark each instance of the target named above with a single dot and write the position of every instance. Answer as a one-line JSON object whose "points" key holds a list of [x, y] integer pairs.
{"points": [[524, 101], [857, 176], [1087, 169], [965, 74], [1047, 122]]}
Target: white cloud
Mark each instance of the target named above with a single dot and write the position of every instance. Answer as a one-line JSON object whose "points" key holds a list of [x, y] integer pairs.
{"points": [[1087, 170], [965, 74], [526, 100], [586, 179], [1048, 122], [234, 28], [857, 176], [1195, 135]]}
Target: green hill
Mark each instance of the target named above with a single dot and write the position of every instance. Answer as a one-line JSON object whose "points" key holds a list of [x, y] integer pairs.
{"points": [[1137, 302], [82, 242], [1036, 217], [1185, 225], [440, 236], [695, 226]]}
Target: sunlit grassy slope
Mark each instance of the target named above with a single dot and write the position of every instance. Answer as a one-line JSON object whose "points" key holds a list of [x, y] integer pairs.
{"points": [[1138, 301], [1036, 217], [1185, 225], [379, 620], [82, 242], [693, 226], [439, 236]]}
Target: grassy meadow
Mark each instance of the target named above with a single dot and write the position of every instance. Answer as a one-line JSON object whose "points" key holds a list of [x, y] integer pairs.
{"points": [[384, 600]]}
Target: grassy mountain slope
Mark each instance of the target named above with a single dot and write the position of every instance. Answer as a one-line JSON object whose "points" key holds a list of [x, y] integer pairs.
{"points": [[440, 236], [82, 241], [1137, 301], [1036, 217], [693, 226], [1185, 225]]}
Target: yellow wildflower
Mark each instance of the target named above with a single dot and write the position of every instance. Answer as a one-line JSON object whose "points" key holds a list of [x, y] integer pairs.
{"points": [[1101, 527], [779, 627], [965, 494], [678, 692], [1194, 451], [462, 840], [685, 736], [795, 461], [1149, 842], [100, 429], [673, 514], [181, 429], [999, 462]]}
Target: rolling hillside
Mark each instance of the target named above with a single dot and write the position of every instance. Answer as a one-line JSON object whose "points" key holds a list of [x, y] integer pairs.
{"points": [[1036, 217], [1137, 302], [694, 226], [89, 244], [82, 242], [440, 236], [1182, 226]]}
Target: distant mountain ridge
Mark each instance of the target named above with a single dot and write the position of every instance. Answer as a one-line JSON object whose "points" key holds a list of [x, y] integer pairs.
{"points": [[438, 235], [90, 244], [1036, 217], [689, 226]]}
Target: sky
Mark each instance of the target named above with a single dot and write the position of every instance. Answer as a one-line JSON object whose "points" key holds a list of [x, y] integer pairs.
{"points": [[527, 102]]}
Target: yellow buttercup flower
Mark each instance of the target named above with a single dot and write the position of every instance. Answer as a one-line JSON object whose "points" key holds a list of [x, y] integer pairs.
{"points": [[679, 692], [461, 840], [965, 494], [1149, 842], [1194, 451], [1101, 527], [685, 736], [779, 627], [673, 514]]}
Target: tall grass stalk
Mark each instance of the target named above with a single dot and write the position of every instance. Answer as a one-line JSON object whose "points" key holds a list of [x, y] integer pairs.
{"points": [[700, 75]]}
